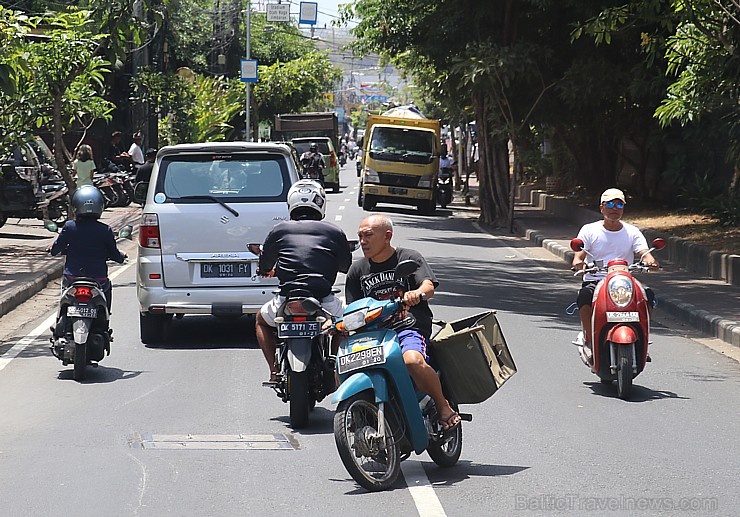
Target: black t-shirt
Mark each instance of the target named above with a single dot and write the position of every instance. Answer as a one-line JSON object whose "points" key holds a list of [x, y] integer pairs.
{"points": [[306, 255], [144, 173], [375, 279]]}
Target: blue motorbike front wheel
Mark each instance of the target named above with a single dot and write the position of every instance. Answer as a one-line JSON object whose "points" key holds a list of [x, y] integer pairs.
{"points": [[373, 461]]}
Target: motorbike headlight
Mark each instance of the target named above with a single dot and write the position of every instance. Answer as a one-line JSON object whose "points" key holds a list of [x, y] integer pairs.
{"points": [[359, 319], [354, 320], [371, 175], [426, 181], [620, 290]]}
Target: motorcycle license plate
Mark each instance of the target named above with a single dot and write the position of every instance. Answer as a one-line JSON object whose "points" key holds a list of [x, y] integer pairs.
{"points": [[361, 359], [82, 312], [617, 317], [225, 270], [398, 191], [291, 329]]}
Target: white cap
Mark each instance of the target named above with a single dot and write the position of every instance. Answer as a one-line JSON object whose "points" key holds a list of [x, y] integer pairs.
{"points": [[612, 193]]}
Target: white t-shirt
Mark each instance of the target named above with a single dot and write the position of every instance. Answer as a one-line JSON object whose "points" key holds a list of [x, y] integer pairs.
{"points": [[137, 155], [606, 245]]}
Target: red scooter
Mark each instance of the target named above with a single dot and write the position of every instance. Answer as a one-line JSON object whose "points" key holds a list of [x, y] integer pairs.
{"points": [[620, 323]]}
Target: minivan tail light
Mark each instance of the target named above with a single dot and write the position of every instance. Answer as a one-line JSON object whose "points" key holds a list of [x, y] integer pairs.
{"points": [[149, 231], [332, 159]]}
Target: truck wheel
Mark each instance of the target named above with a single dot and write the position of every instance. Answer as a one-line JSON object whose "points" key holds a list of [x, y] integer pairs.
{"points": [[368, 203]]}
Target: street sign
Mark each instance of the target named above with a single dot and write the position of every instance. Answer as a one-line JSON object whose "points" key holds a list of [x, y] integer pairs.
{"points": [[249, 70], [309, 13], [278, 12]]}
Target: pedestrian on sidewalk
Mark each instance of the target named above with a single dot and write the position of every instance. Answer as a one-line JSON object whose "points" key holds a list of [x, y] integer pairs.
{"points": [[84, 166], [608, 239]]}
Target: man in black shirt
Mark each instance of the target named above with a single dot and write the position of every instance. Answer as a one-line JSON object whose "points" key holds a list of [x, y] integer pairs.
{"points": [[304, 253], [374, 276], [144, 173]]}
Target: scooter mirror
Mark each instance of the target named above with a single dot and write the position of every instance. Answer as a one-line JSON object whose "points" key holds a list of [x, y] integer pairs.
{"points": [[354, 245], [126, 232], [576, 244], [255, 248], [51, 226], [406, 268], [659, 243]]}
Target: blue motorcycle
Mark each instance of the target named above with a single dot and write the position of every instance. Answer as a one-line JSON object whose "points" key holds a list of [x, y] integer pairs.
{"points": [[381, 416]]}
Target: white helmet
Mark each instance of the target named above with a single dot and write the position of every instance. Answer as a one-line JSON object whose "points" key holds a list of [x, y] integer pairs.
{"points": [[306, 200]]}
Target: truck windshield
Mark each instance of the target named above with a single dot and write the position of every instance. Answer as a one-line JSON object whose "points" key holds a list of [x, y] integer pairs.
{"points": [[402, 145]]}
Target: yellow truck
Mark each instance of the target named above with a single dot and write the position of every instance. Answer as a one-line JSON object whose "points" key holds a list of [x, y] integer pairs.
{"points": [[400, 160]]}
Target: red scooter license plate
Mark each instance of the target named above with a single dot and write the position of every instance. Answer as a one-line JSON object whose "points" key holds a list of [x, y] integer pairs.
{"points": [[622, 317]]}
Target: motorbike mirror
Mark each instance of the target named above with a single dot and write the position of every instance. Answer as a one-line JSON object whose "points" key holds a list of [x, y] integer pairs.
{"points": [[576, 244], [126, 232], [659, 243], [51, 226], [140, 192], [406, 268], [255, 248], [354, 245]]}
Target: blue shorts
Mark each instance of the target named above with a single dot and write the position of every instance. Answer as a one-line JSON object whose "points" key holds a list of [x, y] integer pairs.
{"points": [[412, 340]]}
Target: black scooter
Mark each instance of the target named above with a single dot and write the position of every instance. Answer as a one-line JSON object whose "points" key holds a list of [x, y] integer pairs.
{"points": [[444, 187]]}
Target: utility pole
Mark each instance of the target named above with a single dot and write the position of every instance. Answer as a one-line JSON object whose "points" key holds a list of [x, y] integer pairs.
{"points": [[248, 85]]}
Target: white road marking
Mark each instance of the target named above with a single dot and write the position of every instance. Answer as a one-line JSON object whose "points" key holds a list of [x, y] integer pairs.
{"points": [[43, 327], [342, 207], [347, 200], [337, 217], [421, 490]]}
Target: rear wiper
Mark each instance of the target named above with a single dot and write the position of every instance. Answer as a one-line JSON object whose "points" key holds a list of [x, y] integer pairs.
{"points": [[215, 200]]}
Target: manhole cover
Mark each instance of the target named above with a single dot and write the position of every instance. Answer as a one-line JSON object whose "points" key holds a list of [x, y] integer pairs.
{"points": [[222, 442]]}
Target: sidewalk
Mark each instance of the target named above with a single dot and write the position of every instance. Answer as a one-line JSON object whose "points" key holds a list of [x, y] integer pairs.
{"points": [[685, 288], [26, 268]]}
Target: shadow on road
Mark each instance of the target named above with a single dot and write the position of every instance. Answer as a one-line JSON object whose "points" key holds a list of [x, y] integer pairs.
{"points": [[639, 393]]}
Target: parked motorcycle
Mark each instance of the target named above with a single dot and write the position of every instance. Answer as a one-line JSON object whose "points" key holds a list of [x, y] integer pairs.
{"points": [[23, 196], [81, 335], [444, 187], [620, 322], [381, 417]]}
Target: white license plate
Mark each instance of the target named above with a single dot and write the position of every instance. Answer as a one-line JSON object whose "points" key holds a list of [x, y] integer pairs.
{"points": [[617, 317], [361, 359], [82, 312], [292, 329], [225, 270]]}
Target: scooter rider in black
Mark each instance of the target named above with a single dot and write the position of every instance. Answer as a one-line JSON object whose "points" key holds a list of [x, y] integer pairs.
{"points": [[87, 242], [306, 253]]}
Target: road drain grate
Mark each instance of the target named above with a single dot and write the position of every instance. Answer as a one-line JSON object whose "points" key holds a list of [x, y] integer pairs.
{"points": [[221, 442]]}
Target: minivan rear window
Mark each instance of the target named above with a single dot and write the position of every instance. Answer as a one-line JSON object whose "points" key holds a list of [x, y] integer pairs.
{"points": [[302, 147], [235, 177]]}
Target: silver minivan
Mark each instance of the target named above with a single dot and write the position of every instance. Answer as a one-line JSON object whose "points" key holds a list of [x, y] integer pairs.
{"points": [[204, 204]]}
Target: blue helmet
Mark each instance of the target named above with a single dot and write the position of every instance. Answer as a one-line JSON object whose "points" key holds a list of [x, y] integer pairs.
{"points": [[87, 200]]}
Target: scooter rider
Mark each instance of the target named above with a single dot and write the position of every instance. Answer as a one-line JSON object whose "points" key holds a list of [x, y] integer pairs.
{"points": [[374, 276], [314, 160], [306, 253], [87, 242], [605, 240]]}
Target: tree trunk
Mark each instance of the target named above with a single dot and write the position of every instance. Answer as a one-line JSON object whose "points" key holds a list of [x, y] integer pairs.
{"points": [[61, 164], [493, 168]]}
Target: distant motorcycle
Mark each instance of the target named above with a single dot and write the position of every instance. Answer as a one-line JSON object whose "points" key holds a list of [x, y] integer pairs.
{"points": [[444, 187]]}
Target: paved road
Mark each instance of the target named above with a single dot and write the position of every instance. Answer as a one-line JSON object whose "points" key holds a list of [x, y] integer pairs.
{"points": [[552, 441]]}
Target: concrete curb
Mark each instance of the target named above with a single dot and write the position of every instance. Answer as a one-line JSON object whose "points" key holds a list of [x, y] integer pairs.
{"points": [[682, 253]]}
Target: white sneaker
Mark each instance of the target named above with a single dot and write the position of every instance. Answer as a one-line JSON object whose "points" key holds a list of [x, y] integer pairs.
{"points": [[579, 340]]}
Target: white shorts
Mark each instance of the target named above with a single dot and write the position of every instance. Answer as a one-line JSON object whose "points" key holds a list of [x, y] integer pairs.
{"points": [[331, 304]]}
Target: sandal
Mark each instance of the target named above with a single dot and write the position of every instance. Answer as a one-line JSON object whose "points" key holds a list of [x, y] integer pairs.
{"points": [[451, 421]]}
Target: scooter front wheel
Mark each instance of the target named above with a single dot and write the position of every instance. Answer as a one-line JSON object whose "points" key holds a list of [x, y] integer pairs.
{"points": [[624, 371], [373, 461]]}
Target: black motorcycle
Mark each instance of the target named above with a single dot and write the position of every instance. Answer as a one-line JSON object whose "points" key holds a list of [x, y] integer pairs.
{"points": [[444, 187], [305, 373], [23, 196]]}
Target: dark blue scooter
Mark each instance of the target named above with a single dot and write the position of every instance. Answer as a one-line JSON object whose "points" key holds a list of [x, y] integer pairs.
{"points": [[381, 417]]}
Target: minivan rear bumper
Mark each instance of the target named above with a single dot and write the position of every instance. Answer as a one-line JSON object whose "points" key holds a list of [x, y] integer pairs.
{"points": [[160, 300]]}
